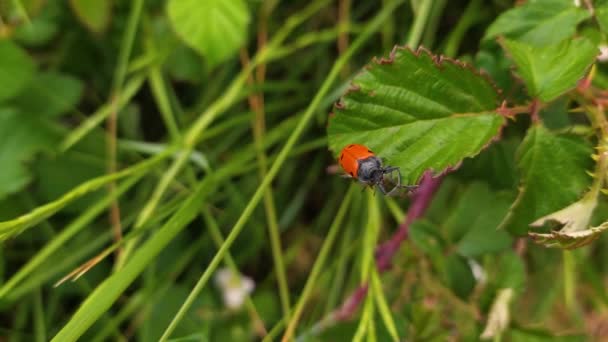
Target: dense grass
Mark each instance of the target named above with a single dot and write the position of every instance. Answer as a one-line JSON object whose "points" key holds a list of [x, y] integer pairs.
{"points": [[141, 163]]}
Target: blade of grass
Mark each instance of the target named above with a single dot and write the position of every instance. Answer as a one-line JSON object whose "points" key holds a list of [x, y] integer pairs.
{"points": [[382, 304], [256, 102], [319, 263], [130, 89], [15, 226], [107, 292], [38, 312], [285, 151], [119, 76], [216, 235], [231, 95], [59, 241], [419, 24]]}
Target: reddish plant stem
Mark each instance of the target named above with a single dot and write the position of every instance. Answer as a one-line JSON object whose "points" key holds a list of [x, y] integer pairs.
{"points": [[421, 199]]}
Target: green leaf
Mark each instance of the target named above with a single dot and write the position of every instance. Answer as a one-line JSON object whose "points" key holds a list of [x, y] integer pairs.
{"points": [[552, 175], [94, 14], [41, 30], [495, 166], [16, 69], [459, 276], [475, 221], [418, 112], [50, 94], [20, 137], [540, 22], [601, 14], [550, 71], [510, 272], [214, 28]]}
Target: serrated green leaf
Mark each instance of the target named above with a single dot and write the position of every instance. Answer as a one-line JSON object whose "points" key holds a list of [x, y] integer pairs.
{"points": [[20, 137], [552, 175], [418, 112], [214, 28], [94, 14], [550, 71], [16, 69], [540, 22], [49, 94]]}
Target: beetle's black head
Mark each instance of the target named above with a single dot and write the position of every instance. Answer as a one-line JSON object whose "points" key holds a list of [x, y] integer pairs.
{"points": [[370, 170]]}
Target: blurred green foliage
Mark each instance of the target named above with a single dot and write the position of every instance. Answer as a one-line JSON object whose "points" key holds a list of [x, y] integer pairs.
{"points": [[159, 141]]}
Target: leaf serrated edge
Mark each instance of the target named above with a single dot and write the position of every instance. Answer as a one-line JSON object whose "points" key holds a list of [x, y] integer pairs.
{"points": [[439, 61]]}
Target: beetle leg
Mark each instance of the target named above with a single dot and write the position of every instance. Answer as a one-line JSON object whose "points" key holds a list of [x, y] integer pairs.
{"points": [[382, 189]]}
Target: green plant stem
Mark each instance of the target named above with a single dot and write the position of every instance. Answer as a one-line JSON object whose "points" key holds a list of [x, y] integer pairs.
{"points": [[127, 45], [366, 318], [231, 95], [16, 225], [59, 241], [105, 294], [256, 102], [216, 235], [319, 263], [159, 90], [272, 172], [419, 23], [38, 312], [569, 281], [430, 34], [382, 304], [112, 131], [469, 18], [129, 90]]}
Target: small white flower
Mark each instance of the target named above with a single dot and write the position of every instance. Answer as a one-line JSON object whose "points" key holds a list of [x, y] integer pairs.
{"points": [[577, 3], [478, 272], [234, 287], [603, 57]]}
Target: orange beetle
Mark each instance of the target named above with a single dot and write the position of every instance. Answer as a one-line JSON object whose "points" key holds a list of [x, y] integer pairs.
{"points": [[361, 163]]}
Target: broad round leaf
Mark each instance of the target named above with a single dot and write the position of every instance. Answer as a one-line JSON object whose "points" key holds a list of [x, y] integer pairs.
{"points": [[418, 112], [214, 28], [16, 69], [551, 70]]}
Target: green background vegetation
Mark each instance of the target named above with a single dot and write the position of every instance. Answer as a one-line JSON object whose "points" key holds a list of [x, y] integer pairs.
{"points": [[147, 144]]}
